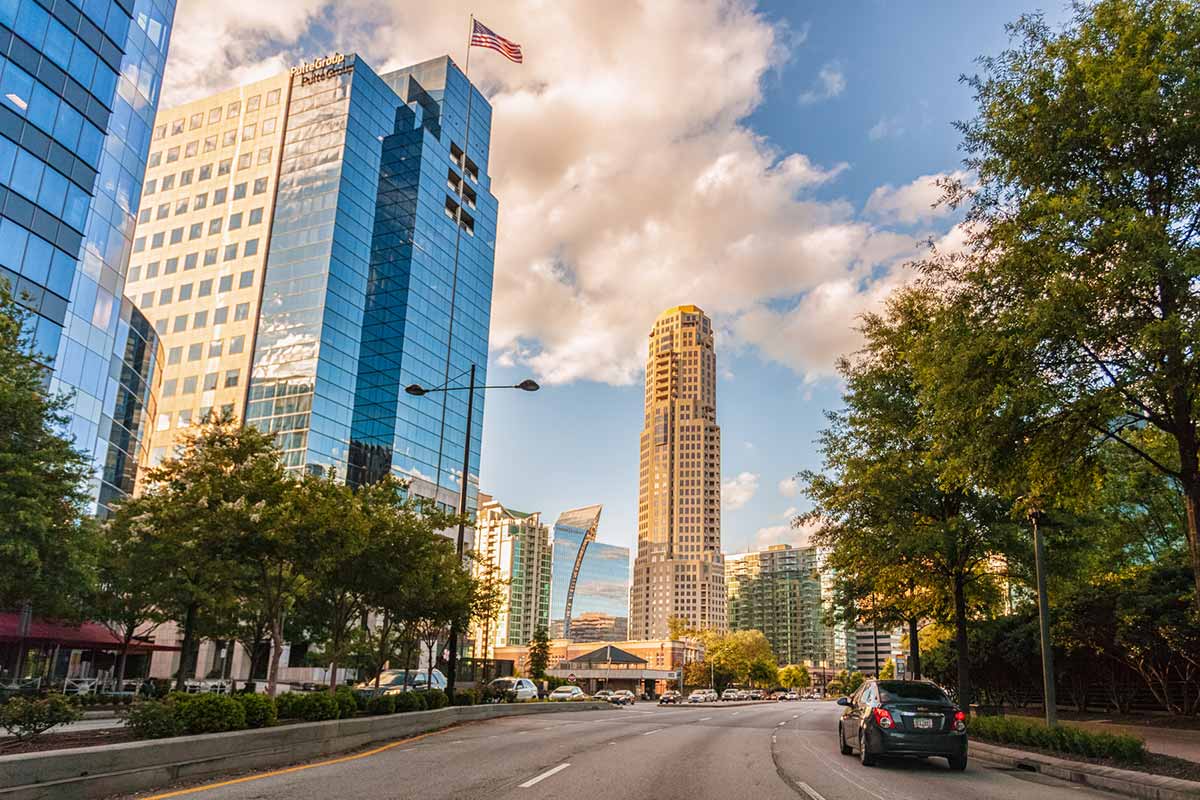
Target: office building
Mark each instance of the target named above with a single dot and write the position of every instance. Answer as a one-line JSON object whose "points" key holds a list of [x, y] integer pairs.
{"points": [[589, 577], [778, 591], [679, 570], [593, 626], [79, 86], [875, 646], [513, 547], [312, 243]]}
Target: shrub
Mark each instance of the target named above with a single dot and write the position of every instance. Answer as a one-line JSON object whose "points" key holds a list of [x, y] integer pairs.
{"points": [[409, 701], [317, 706], [384, 704], [153, 719], [260, 710], [435, 699], [489, 695], [466, 697], [1061, 739], [209, 713], [27, 719], [347, 705], [288, 705]]}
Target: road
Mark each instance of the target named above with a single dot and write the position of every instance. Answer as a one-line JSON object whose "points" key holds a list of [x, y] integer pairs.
{"points": [[780, 751]]}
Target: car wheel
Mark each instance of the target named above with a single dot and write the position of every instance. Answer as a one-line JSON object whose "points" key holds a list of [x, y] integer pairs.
{"points": [[864, 751], [845, 748], [957, 763]]}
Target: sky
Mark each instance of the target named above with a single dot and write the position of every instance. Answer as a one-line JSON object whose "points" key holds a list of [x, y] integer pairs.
{"points": [[775, 163]]}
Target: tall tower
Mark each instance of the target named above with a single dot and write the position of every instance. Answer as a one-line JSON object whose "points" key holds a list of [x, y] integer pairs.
{"points": [[679, 571]]}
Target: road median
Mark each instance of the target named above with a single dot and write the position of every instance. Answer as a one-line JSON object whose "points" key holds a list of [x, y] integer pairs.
{"points": [[93, 772], [1120, 781]]}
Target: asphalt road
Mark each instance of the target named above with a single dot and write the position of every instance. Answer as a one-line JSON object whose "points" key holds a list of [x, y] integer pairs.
{"points": [[778, 751]]}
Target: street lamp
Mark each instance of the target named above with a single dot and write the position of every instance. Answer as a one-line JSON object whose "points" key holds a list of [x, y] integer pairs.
{"points": [[417, 390]]}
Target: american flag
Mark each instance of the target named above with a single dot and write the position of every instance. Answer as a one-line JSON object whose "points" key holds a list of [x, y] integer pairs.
{"points": [[483, 36]]}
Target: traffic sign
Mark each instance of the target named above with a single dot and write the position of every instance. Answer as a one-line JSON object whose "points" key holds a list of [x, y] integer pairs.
{"points": [[571, 678]]}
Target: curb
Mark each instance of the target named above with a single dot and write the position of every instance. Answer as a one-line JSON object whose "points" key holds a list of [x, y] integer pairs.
{"points": [[1122, 781], [130, 767]]}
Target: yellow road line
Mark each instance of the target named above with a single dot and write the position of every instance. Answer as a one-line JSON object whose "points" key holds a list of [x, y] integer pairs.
{"points": [[273, 773]]}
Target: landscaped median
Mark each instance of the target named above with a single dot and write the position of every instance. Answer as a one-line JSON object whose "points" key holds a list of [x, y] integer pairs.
{"points": [[88, 772]]}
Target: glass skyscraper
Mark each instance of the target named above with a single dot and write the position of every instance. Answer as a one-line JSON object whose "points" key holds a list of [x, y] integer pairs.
{"points": [[589, 581], [79, 85], [311, 244]]}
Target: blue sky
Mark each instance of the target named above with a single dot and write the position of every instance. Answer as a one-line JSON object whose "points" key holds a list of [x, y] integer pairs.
{"points": [[772, 162], [576, 444]]}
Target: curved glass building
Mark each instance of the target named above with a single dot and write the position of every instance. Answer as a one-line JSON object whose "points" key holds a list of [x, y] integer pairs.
{"points": [[590, 581]]}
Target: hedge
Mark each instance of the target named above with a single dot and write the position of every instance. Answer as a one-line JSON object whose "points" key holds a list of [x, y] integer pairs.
{"points": [[153, 719], [208, 713], [347, 705], [260, 710], [1060, 739]]}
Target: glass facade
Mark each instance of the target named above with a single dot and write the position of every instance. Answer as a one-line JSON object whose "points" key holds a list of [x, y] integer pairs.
{"points": [[589, 580], [79, 84]]}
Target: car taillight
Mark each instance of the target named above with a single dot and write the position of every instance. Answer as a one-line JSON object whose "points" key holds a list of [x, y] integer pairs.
{"points": [[960, 721], [883, 717]]}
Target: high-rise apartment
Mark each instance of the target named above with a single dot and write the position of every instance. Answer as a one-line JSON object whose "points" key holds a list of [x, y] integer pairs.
{"points": [[679, 570], [312, 243], [874, 646], [590, 579], [778, 591], [514, 546], [79, 85]]}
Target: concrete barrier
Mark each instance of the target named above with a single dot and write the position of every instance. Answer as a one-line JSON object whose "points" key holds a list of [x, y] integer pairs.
{"points": [[91, 772]]}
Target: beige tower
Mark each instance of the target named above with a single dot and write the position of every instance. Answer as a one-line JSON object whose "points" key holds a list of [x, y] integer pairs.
{"points": [[679, 570]]}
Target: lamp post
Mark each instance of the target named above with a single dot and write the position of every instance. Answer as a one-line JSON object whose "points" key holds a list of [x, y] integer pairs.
{"points": [[417, 390]]}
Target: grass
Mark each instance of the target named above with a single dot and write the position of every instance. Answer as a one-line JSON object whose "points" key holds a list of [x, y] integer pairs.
{"points": [[1068, 739]]}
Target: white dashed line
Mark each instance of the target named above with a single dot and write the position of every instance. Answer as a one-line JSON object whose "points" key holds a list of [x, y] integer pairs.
{"points": [[704, 718], [544, 775], [656, 730], [811, 792], [780, 725]]}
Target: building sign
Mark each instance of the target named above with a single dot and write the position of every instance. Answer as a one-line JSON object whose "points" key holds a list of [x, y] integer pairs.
{"points": [[571, 678], [322, 69]]}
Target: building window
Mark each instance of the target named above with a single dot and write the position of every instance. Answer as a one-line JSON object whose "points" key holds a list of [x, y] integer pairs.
{"points": [[246, 279], [231, 378], [206, 285], [195, 352], [245, 160], [251, 247], [221, 315], [185, 418], [230, 255], [169, 387], [239, 191], [191, 149], [268, 126], [155, 159], [214, 115], [189, 385], [273, 97], [225, 283], [185, 177], [200, 319], [164, 296], [210, 257], [196, 121], [168, 182], [235, 221], [210, 381], [234, 109], [260, 185], [236, 345], [242, 312], [196, 231], [185, 292], [253, 103], [224, 166], [205, 172], [215, 348], [174, 355], [181, 322], [256, 213], [248, 131], [172, 154], [229, 138], [163, 211], [150, 186], [201, 201], [189, 261], [219, 196], [214, 225]]}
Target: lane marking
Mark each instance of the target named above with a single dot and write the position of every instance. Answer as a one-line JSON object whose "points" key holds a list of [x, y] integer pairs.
{"points": [[704, 718], [736, 713], [656, 730], [780, 725], [273, 773], [808, 790], [544, 775]]}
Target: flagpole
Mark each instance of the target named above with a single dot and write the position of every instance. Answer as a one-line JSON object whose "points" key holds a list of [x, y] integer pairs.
{"points": [[470, 35]]}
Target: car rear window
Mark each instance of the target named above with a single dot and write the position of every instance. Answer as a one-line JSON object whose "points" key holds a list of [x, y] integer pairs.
{"points": [[894, 691]]}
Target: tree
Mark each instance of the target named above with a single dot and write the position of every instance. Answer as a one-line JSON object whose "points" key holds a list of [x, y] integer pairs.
{"points": [[539, 653], [795, 676], [889, 670], [490, 597], [737, 651], [892, 519], [47, 547], [763, 672], [1084, 221], [127, 588]]}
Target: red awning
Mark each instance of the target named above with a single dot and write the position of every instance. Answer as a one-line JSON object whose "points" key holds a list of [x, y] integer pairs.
{"points": [[84, 636]]}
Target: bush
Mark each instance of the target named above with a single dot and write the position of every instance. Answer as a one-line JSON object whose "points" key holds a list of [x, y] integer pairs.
{"points": [[317, 706], [260, 710], [409, 701], [347, 705], [208, 713], [153, 719], [27, 719], [1061, 739], [435, 699], [466, 697], [288, 705], [384, 704]]}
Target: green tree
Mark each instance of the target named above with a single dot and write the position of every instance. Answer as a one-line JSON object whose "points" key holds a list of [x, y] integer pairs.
{"points": [[490, 597], [889, 670], [1084, 222], [47, 546], [539, 653], [795, 676], [763, 673], [128, 589]]}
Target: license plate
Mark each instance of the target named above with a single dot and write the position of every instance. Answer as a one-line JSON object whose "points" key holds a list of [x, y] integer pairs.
{"points": [[923, 722]]}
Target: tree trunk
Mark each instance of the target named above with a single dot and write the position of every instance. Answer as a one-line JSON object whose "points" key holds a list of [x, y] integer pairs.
{"points": [[875, 645], [333, 675], [429, 668], [960, 641], [1191, 504], [121, 663], [188, 644], [914, 648], [276, 654]]}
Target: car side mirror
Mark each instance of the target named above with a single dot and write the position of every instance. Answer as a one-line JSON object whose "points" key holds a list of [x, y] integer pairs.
{"points": [[843, 701]]}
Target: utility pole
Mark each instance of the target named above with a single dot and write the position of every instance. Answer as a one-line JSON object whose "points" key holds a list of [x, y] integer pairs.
{"points": [[1039, 554]]}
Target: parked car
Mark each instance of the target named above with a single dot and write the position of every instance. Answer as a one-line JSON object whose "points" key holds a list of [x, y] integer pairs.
{"points": [[902, 718], [729, 694], [568, 693], [624, 697], [670, 698], [523, 688], [712, 696], [603, 694], [757, 694], [398, 681], [698, 696], [791, 696]]}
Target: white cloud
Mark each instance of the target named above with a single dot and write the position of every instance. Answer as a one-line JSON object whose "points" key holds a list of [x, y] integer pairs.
{"points": [[887, 126], [627, 177], [789, 487], [830, 82], [783, 534], [915, 202], [739, 490], [790, 512]]}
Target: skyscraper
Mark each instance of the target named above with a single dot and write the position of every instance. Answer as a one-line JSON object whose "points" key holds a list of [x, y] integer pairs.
{"points": [[78, 92], [310, 245], [778, 591], [590, 579], [679, 570]]}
